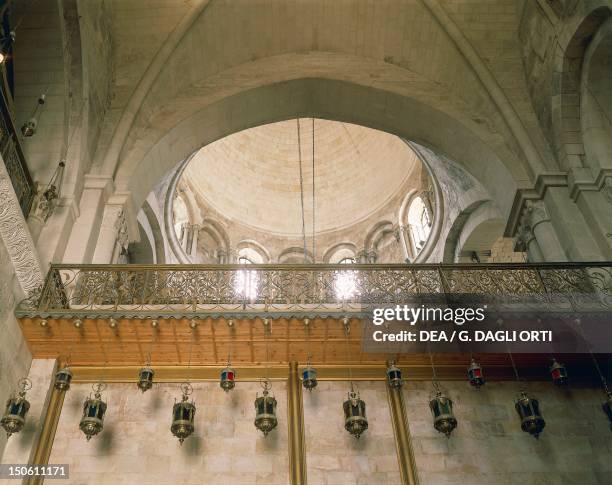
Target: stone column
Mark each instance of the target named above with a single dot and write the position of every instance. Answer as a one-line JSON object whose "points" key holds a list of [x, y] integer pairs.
{"points": [[195, 229], [526, 242], [538, 220], [362, 256], [113, 236], [297, 450], [85, 230]]}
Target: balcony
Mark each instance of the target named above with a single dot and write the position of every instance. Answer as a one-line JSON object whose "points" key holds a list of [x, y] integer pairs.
{"points": [[230, 302], [192, 291], [14, 159]]}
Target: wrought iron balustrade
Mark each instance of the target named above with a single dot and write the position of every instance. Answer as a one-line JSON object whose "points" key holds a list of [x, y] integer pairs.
{"points": [[147, 290], [14, 159]]}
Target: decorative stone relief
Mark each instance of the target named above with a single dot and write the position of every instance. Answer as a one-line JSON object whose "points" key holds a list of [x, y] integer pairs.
{"points": [[122, 230], [44, 203], [17, 239]]}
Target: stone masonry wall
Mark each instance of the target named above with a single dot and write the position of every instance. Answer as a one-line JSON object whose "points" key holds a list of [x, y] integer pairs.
{"points": [[488, 445], [333, 456], [15, 358], [136, 445]]}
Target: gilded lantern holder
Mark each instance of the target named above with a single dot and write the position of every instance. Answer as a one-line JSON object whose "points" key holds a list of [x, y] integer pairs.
{"points": [[265, 409], [183, 414], [94, 409], [17, 407]]}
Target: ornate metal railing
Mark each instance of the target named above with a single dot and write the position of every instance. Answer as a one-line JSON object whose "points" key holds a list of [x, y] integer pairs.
{"points": [[14, 159], [135, 290]]}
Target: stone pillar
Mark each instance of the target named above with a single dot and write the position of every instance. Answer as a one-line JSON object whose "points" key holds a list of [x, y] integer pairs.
{"points": [[372, 256], [403, 444], [297, 450], [538, 219], [113, 236], [85, 230], [596, 207], [195, 229], [526, 242], [362, 256]]}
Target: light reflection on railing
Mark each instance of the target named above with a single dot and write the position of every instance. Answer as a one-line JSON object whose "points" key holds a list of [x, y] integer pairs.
{"points": [[180, 289]]}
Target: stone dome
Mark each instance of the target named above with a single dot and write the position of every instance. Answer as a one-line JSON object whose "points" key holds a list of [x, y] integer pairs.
{"points": [[253, 176]]}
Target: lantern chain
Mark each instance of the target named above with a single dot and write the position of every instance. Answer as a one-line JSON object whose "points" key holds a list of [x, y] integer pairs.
{"points": [[434, 376], [350, 367], [313, 193], [604, 381], [302, 189]]}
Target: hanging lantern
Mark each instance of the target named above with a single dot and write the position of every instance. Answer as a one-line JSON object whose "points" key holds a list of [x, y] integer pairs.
{"points": [[309, 377], [442, 409], [475, 374], [265, 410], [94, 409], [355, 420], [394, 376], [63, 377], [183, 413], [228, 378], [558, 372], [17, 407], [145, 378], [528, 409]]}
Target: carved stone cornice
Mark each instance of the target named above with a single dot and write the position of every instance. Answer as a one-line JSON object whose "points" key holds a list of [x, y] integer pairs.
{"points": [[17, 239], [536, 192]]}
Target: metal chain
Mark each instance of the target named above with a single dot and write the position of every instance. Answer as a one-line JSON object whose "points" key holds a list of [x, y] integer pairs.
{"points": [[313, 193], [302, 189]]}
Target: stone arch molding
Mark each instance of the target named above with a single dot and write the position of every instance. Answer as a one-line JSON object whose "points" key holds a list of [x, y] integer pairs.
{"points": [[566, 102], [329, 99], [480, 118]]}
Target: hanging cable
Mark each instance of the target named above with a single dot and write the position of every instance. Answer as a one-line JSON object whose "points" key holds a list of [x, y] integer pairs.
{"points": [[434, 376], [313, 194], [190, 351], [350, 367], [302, 189], [516, 374], [604, 381]]}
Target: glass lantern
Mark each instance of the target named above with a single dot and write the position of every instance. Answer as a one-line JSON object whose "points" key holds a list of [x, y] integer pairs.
{"points": [[228, 378], [309, 377], [17, 407], [607, 407], [528, 410], [145, 378], [355, 420], [183, 414], [265, 410], [394, 376], [475, 375], [558, 373], [442, 409], [94, 409], [63, 377]]}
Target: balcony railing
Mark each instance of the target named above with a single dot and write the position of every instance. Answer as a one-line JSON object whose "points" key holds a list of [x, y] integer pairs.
{"points": [[96, 291], [14, 159]]}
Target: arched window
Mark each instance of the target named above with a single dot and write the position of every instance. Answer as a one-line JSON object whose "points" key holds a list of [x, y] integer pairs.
{"points": [[345, 282], [247, 280], [419, 224]]}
